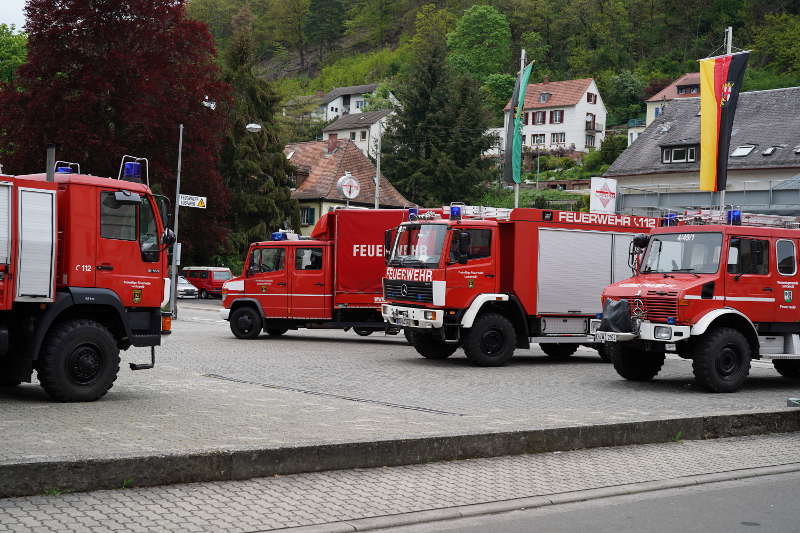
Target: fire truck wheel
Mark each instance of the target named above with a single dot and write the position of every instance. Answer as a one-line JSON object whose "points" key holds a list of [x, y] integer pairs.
{"points": [[363, 332], [245, 322], [431, 348], [276, 332], [558, 351], [602, 351], [490, 341], [79, 361], [203, 294], [788, 368], [409, 335], [721, 360], [633, 364]]}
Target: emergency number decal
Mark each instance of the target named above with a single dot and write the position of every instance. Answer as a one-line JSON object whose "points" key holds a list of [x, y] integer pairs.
{"points": [[83, 268], [606, 220]]}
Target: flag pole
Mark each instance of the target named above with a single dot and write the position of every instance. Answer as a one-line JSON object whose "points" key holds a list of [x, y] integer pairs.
{"points": [[522, 108], [728, 49]]}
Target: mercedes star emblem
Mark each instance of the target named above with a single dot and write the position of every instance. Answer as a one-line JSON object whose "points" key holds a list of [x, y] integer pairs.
{"points": [[404, 289]]}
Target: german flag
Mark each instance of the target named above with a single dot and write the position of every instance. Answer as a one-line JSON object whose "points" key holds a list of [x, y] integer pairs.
{"points": [[720, 82]]}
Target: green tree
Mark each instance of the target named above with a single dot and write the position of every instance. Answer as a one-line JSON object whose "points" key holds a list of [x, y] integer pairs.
{"points": [[324, 24], [777, 43], [497, 91], [480, 44], [624, 93], [611, 147], [13, 51], [380, 99], [253, 164], [288, 26], [433, 147]]}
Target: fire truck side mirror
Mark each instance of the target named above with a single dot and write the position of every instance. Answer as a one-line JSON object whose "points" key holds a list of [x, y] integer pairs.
{"points": [[168, 238], [127, 197], [464, 242], [387, 244]]}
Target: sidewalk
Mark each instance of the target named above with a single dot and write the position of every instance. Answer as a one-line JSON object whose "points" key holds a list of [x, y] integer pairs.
{"points": [[358, 500]]}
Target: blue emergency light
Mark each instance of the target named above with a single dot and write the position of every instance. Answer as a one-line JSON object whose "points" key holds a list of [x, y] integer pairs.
{"points": [[455, 212], [671, 320], [670, 219], [413, 212], [133, 171], [63, 170], [734, 217], [278, 236]]}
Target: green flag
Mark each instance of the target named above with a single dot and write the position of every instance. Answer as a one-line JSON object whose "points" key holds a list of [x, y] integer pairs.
{"points": [[516, 154]]}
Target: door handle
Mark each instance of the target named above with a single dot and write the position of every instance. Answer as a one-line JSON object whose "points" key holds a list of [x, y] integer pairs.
{"points": [[489, 275], [319, 284], [281, 284], [105, 267], [768, 289]]}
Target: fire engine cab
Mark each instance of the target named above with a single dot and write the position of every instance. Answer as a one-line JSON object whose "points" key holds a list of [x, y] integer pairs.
{"points": [[83, 275], [332, 281], [719, 288], [492, 280]]}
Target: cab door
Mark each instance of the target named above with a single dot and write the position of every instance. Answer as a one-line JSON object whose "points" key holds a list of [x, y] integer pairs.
{"points": [[128, 250], [787, 281], [479, 273], [750, 285], [311, 291], [267, 280]]}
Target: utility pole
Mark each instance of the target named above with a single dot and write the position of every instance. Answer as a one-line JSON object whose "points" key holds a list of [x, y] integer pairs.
{"points": [[378, 169], [521, 110], [176, 250], [728, 50]]}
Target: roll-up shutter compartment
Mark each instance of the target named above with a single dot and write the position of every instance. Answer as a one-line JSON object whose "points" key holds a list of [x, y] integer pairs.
{"points": [[37, 238]]}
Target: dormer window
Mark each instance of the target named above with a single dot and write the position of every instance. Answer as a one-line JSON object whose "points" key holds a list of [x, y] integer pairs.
{"points": [[679, 154], [688, 89], [544, 97]]}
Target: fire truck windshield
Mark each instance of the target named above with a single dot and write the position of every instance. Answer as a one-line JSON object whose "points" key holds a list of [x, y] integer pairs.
{"points": [[695, 253], [418, 245]]}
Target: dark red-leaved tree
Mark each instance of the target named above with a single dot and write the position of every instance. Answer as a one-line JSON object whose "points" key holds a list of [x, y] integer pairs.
{"points": [[106, 78]]}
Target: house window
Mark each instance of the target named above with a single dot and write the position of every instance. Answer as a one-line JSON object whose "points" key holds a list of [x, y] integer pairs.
{"points": [[591, 98], [658, 111], [360, 104], [557, 116], [352, 136], [743, 150], [688, 89], [558, 138], [307, 216], [590, 141], [541, 117], [523, 139], [538, 139], [544, 97], [590, 121], [679, 154], [363, 135]]}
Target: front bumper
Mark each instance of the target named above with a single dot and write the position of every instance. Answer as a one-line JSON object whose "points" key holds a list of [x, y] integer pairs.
{"points": [[647, 331], [412, 317], [224, 313]]}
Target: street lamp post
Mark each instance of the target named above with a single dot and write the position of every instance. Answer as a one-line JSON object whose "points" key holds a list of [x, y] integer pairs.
{"points": [[176, 251]]}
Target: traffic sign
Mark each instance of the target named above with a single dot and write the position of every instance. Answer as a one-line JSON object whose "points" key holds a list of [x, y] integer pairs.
{"points": [[348, 186], [187, 200]]}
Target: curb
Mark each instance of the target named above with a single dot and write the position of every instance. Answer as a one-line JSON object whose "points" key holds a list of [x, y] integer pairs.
{"points": [[532, 502], [30, 478]]}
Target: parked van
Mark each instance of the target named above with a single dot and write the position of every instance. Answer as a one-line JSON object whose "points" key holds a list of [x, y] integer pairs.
{"points": [[208, 280]]}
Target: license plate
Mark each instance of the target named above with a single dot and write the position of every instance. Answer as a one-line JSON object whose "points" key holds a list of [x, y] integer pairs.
{"points": [[605, 336]]}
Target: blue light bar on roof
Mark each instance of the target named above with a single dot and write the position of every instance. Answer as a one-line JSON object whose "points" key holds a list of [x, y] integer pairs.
{"points": [[734, 217], [133, 171], [413, 213], [63, 170], [279, 236], [455, 212]]}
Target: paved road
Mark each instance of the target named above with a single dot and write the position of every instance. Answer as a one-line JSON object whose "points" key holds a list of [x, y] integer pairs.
{"points": [[344, 499], [758, 505]]}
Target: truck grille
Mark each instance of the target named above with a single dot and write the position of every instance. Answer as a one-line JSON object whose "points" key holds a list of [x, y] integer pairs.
{"points": [[655, 309], [409, 291]]}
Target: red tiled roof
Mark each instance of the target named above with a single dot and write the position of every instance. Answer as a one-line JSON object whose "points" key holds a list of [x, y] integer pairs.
{"points": [[324, 170], [562, 93], [670, 92]]}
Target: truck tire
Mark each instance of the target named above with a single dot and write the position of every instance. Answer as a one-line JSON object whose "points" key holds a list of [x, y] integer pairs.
{"points": [[558, 351], [363, 332], [408, 333], [721, 360], [276, 332], [490, 341], [245, 322], [203, 294], [788, 368], [633, 364], [431, 348], [79, 361], [602, 351]]}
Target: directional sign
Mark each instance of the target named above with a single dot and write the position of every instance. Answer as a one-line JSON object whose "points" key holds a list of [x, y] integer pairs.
{"points": [[187, 200]]}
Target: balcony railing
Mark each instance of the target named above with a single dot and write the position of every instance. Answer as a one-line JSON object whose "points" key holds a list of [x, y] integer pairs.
{"points": [[594, 126]]}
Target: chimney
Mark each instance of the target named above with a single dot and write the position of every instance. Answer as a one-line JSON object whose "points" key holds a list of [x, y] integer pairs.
{"points": [[332, 139], [546, 79]]}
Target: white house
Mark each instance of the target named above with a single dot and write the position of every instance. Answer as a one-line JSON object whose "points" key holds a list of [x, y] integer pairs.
{"points": [[687, 86], [562, 114], [346, 100], [363, 129]]}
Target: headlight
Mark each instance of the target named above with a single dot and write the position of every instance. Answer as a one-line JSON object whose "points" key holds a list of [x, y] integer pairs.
{"points": [[662, 333], [430, 315]]}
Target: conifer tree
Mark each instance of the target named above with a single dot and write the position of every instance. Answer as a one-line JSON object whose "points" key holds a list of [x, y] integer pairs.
{"points": [[324, 24], [253, 164]]}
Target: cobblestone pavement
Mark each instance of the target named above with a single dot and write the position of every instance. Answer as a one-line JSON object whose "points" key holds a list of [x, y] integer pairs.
{"points": [[321, 498], [312, 387]]}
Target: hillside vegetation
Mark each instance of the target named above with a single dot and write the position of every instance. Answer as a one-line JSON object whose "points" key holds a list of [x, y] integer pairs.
{"points": [[631, 47]]}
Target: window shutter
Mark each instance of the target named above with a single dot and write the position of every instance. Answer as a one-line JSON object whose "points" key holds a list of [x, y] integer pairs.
{"points": [[551, 117], [311, 218]]}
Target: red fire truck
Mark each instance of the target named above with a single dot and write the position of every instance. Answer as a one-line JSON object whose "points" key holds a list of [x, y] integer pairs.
{"points": [[332, 281], [83, 275], [491, 280], [718, 289]]}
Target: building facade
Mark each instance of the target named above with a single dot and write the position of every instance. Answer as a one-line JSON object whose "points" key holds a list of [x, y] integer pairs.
{"points": [[687, 86], [364, 129]]}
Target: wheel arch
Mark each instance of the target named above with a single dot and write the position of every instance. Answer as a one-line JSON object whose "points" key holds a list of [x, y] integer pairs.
{"points": [[247, 302], [728, 317], [511, 309]]}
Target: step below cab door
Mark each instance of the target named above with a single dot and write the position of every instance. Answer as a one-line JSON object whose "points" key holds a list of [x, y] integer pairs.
{"points": [[312, 292], [267, 280]]}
